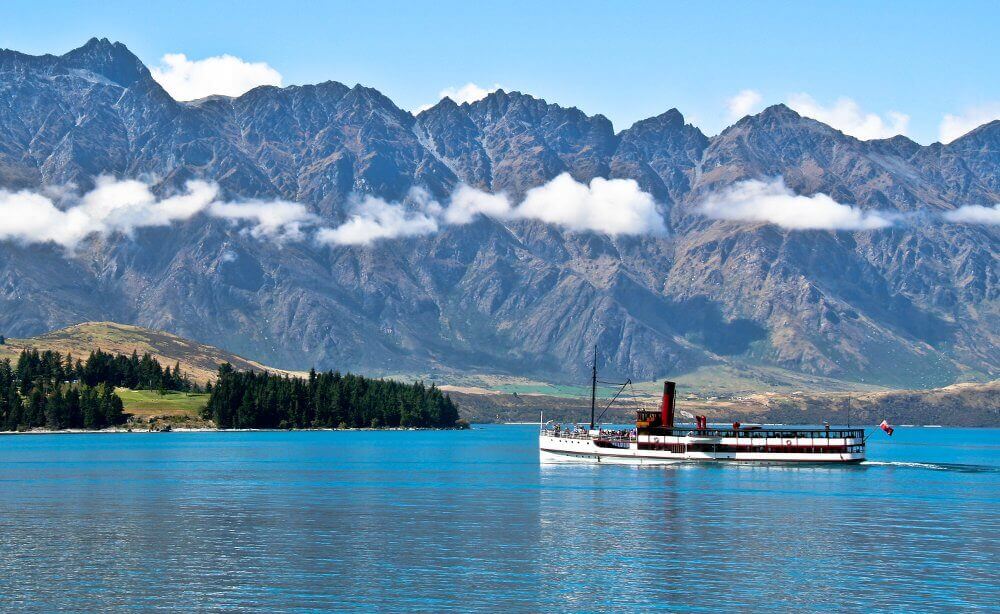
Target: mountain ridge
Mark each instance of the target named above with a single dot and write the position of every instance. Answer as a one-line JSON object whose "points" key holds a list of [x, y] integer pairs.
{"points": [[910, 305]]}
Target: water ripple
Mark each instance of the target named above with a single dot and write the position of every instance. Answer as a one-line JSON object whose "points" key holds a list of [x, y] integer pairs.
{"points": [[470, 522]]}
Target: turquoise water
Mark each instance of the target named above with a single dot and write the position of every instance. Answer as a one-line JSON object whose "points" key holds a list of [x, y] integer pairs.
{"points": [[469, 520]]}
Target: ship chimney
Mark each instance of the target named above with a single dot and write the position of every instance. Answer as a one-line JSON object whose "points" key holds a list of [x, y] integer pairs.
{"points": [[667, 405]]}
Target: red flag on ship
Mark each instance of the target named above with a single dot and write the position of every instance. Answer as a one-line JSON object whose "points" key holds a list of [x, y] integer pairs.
{"points": [[885, 426]]}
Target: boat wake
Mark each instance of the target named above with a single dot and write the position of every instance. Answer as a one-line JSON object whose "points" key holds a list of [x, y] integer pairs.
{"points": [[956, 467]]}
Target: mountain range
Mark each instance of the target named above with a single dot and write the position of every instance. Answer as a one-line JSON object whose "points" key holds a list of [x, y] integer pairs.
{"points": [[911, 304]]}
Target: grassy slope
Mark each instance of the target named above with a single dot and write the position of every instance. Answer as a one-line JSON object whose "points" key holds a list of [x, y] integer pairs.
{"points": [[198, 361]]}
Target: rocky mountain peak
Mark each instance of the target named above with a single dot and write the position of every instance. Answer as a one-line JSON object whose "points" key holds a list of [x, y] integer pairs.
{"points": [[98, 45], [660, 152], [977, 152], [525, 106], [778, 112], [898, 145], [985, 136], [668, 119], [368, 99], [111, 60], [669, 125], [778, 119], [497, 96], [767, 133], [445, 105], [446, 114]]}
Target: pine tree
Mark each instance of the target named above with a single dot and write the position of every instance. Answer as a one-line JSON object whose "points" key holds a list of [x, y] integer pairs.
{"points": [[35, 414], [74, 417], [112, 409], [55, 410], [90, 408], [15, 410]]}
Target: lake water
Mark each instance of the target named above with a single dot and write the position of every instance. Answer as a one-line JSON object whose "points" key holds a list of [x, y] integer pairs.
{"points": [[470, 520]]}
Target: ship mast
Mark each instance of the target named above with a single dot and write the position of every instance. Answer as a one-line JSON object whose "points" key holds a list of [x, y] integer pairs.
{"points": [[593, 389]]}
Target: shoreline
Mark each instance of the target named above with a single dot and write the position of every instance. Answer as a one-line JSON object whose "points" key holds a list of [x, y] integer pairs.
{"points": [[113, 431]]}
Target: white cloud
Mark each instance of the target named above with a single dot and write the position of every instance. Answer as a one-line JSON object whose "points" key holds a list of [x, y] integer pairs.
{"points": [[112, 206], [609, 206], [468, 202], [279, 220], [375, 219], [470, 92], [744, 103], [974, 214], [954, 126], [122, 206], [848, 117], [773, 202], [186, 79]]}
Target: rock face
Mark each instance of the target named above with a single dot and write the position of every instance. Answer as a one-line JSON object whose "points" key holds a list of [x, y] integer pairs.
{"points": [[914, 305]]}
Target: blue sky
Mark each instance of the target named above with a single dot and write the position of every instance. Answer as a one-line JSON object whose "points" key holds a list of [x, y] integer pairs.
{"points": [[899, 65]]}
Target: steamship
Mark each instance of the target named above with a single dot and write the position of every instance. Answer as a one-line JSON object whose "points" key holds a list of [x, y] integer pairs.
{"points": [[656, 439]]}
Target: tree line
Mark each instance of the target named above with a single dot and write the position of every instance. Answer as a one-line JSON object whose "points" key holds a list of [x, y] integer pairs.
{"points": [[135, 372], [52, 390], [247, 399]]}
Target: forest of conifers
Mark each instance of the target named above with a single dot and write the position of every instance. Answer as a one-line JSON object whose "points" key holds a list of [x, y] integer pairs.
{"points": [[54, 391], [245, 399], [48, 389]]}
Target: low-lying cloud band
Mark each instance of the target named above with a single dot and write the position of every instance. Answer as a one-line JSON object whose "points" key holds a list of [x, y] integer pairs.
{"points": [[112, 206], [609, 206], [612, 207], [125, 205], [773, 202]]}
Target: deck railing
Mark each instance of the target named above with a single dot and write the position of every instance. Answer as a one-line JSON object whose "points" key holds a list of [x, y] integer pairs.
{"points": [[760, 433], [625, 436]]}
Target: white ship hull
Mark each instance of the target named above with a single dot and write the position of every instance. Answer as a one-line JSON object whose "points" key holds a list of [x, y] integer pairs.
{"points": [[556, 448]]}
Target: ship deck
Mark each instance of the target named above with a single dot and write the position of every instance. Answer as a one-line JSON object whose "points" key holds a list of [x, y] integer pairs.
{"points": [[784, 444], [635, 435]]}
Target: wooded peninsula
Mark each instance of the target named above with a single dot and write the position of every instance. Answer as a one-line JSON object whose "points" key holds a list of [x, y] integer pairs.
{"points": [[247, 399], [49, 390]]}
